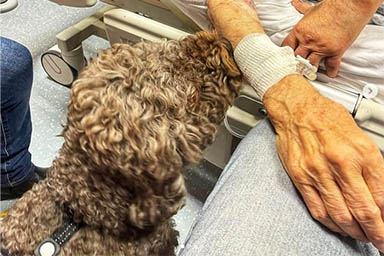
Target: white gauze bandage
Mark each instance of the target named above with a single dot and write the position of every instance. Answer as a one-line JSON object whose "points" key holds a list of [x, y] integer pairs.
{"points": [[264, 64]]}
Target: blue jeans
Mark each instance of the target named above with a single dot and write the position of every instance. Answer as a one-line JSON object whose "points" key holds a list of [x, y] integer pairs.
{"points": [[16, 77]]}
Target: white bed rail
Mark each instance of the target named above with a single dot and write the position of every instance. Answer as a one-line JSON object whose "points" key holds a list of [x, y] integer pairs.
{"points": [[247, 112], [124, 26]]}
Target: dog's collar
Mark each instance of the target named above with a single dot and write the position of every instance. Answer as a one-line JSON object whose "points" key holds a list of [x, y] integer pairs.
{"points": [[51, 246]]}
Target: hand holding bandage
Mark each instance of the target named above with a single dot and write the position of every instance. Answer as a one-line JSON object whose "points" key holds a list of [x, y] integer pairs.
{"points": [[328, 29], [337, 168]]}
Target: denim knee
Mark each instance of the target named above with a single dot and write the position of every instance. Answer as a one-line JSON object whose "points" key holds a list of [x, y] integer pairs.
{"points": [[16, 75], [16, 66]]}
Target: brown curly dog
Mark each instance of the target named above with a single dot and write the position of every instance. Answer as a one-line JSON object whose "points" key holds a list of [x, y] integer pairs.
{"points": [[137, 115]]}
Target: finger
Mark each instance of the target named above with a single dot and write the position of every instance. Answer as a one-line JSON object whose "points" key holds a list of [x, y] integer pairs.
{"points": [[315, 59], [329, 191], [362, 205], [290, 155], [316, 207], [290, 41], [374, 177], [302, 51], [377, 191], [302, 7], [291, 158], [332, 65], [336, 207]]}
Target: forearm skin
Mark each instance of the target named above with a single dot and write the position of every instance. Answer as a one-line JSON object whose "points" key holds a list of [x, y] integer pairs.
{"points": [[234, 19]]}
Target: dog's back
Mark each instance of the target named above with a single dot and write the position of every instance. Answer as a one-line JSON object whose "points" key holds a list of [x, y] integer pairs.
{"points": [[136, 116]]}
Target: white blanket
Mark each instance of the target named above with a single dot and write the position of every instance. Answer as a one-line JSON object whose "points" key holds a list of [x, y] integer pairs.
{"points": [[362, 63]]}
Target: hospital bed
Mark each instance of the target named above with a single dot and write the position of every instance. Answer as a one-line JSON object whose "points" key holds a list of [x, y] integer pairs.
{"points": [[130, 21]]}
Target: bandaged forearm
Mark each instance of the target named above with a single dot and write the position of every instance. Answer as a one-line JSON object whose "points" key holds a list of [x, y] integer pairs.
{"points": [[263, 63]]}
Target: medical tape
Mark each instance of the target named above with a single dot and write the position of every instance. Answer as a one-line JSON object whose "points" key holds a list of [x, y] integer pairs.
{"points": [[264, 64]]}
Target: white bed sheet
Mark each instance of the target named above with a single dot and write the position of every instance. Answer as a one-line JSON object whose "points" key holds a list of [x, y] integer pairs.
{"points": [[362, 63]]}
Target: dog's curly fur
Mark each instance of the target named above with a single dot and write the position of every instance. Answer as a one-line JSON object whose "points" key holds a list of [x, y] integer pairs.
{"points": [[136, 116]]}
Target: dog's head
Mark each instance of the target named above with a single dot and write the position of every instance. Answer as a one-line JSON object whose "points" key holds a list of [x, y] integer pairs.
{"points": [[131, 95], [217, 83]]}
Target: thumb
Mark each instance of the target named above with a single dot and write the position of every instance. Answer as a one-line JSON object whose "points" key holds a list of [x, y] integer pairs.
{"points": [[301, 7]]}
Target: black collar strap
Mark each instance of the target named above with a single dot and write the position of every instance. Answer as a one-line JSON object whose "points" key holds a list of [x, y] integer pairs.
{"points": [[52, 245]]}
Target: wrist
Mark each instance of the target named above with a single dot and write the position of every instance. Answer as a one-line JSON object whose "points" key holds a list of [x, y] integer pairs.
{"points": [[263, 63], [292, 90], [294, 101], [291, 98]]}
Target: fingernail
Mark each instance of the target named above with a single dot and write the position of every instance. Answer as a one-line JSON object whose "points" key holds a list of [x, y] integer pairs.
{"points": [[332, 73]]}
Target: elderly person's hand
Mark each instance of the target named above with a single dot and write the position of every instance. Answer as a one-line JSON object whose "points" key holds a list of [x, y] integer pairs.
{"points": [[328, 29], [336, 167]]}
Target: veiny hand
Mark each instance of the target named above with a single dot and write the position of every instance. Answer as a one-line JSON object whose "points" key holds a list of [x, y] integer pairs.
{"points": [[327, 30], [337, 168]]}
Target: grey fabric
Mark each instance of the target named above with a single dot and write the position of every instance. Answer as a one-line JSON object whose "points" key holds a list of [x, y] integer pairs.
{"points": [[255, 210]]}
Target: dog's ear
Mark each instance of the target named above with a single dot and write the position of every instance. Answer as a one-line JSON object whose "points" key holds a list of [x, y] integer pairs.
{"points": [[227, 59]]}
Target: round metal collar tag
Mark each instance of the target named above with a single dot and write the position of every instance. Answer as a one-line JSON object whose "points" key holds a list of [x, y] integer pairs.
{"points": [[47, 248]]}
